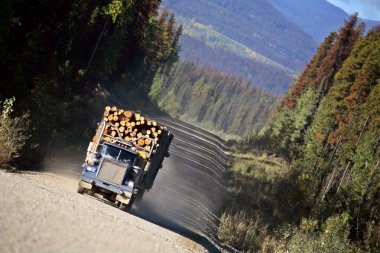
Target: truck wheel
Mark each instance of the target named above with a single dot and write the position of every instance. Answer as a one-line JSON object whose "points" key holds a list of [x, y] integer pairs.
{"points": [[122, 207], [80, 189], [130, 204], [90, 192], [140, 195]]}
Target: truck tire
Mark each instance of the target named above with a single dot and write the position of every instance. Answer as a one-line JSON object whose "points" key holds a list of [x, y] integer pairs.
{"points": [[90, 192], [80, 189], [122, 207], [140, 194]]}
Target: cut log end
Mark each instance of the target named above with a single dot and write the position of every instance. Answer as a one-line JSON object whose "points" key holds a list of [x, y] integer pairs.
{"points": [[141, 142]]}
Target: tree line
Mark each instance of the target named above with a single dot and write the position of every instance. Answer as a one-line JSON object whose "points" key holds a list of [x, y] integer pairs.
{"points": [[211, 99], [261, 75], [328, 129]]}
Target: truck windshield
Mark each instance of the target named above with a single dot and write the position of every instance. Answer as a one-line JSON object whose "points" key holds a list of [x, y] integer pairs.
{"points": [[118, 154]]}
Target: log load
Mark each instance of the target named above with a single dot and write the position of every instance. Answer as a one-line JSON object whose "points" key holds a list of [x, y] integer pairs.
{"points": [[131, 127]]}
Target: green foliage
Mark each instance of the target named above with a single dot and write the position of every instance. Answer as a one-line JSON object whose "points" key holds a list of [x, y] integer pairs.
{"points": [[54, 54], [116, 8], [241, 231], [328, 129], [332, 238], [14, 132], [265, 200], [340, 147], [260, 167], [267, 214], [213, 100], [283, 129]]}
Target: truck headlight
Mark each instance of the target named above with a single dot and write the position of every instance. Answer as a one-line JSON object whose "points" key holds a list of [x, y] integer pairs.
{"points": [[91, 168], [93, 162], [127, 194]]}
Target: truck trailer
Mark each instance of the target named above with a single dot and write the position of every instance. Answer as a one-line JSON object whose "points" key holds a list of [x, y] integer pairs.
{"points": [[124, 157]]}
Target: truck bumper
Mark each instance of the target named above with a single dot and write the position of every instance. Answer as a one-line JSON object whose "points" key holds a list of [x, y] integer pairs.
{"points": [[122, 199], [122, 193], [85, 185]]}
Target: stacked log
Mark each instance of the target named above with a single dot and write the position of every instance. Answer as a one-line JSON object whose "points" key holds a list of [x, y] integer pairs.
{"points": [[130, 127]]}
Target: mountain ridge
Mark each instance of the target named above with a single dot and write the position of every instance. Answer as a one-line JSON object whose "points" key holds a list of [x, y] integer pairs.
{"points": [[266, 53], [318, 18], [276, 38]]}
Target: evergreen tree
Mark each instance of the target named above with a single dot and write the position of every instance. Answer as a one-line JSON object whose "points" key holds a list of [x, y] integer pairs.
{"points": [[214, 100], [303, 99], [54, 54]]}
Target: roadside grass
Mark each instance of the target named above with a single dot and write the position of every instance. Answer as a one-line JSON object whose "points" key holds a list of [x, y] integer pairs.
{"points": [[268, 211], [264, 194], [265, 188], [258, 166]]}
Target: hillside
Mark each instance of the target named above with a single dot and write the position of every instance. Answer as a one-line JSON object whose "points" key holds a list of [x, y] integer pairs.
{"points": [[327, 128], [255, 28], [207, 47], [212, 100], [318, 17]]}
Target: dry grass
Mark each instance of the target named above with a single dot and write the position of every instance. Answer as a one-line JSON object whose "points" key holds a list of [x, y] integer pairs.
{"points": [[262, 166]]}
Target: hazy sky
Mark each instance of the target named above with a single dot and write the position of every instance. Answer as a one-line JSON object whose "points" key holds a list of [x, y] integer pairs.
{"points": [[369, 9]]}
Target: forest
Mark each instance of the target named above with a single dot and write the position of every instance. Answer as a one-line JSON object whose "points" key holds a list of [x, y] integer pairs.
{"points": [[216, 101], [326, 132], [58, 59]]}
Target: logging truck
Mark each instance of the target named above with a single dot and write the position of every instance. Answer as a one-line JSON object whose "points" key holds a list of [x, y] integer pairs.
{"points": [[124, 157]]}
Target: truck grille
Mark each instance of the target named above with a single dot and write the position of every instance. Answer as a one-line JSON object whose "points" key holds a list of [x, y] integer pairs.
{"points": [[112, 172]]}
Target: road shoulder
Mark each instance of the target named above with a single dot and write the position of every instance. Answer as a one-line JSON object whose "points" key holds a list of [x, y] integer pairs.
{"points": [[41, 212]]}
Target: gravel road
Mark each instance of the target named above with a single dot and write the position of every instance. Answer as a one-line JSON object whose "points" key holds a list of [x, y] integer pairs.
{"points": [[41, 212]]}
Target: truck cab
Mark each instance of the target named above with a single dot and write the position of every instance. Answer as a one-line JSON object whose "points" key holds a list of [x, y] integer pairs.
{"points": [[119, 170], [114, 172]]}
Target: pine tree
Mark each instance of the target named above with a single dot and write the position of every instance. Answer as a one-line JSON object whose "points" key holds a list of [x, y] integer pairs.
{"points": [[304, 97], [306, 78]]}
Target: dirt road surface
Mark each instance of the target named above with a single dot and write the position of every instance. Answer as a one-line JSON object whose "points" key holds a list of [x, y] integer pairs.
{"points": [[41, 212]]}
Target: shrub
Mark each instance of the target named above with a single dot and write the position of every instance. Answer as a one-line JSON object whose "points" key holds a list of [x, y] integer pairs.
{"points": [[333, 237], [13, 133], [242, 232]]}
